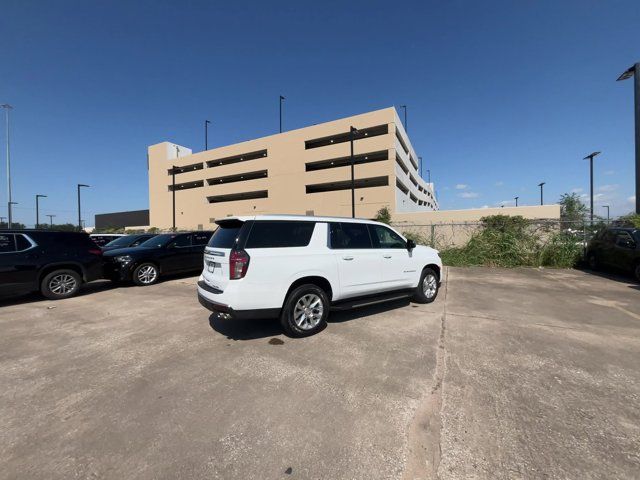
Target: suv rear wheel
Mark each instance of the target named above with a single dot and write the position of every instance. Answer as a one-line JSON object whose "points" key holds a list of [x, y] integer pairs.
{"points": [[60, 284], [427, 289], [305, 311], [145, 274]]}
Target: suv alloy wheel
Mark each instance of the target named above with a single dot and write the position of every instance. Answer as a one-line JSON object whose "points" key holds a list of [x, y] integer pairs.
{"points": [[145, 274], [427, 289], [60, 284], [305, 311]]}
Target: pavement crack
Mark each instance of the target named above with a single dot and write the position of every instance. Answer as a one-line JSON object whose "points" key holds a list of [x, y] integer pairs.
{"points": [[425, 428]]}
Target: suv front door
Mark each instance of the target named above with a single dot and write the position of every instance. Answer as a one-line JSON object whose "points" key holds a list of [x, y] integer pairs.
{"points": [[177, 254], [397, 269], [358, 263]]}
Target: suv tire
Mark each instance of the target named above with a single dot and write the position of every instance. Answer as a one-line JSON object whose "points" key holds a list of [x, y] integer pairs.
{"points": [[305, 311], [427, 289], [146, 274], [60, 284]]}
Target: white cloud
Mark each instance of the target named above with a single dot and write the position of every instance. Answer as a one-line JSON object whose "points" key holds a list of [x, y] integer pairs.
{"points": [[608, 188], [576, 190], [632, 199], [610, 172], [461, 186], [484, 206], [499, 184], [506, 203], [468, 195]]}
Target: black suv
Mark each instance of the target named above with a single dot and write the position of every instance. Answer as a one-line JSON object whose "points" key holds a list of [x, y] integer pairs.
{"points": [[616, 247], [162, 254], [56, 263]]}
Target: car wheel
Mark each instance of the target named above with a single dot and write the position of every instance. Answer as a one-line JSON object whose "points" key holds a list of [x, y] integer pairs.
{"points": [[145, 274], [305, 311], [60, 284], [427, 289], [592, 261]]}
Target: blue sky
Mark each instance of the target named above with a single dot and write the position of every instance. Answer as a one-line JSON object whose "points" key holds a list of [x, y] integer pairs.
{"points": [[501, 95]]}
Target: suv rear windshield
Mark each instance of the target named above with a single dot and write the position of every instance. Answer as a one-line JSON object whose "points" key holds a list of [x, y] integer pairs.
{"points": [[226, 234], [280, 234]]}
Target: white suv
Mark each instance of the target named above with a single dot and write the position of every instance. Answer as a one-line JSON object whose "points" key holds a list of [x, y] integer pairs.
{"points": [[297, 268]]}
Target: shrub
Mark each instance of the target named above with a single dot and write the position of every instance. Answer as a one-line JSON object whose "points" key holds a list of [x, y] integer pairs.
{"points": [[383, 216], [416, 237], [563, 250]]}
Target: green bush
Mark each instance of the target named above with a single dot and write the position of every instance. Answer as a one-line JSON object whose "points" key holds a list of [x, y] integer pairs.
{"points": [[416, 237], [563, 250], [383, 216]]}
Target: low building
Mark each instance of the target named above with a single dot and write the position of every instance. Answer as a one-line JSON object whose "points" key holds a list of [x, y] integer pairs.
{"points": [[305, 171], [133, 218]]}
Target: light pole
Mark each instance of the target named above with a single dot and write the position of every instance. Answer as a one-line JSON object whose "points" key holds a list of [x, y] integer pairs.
{"points": [[38, 197], [406, 127], [420, 163], [352, 131], [516, 199], [281, 99], [173, 194], [607, 207], [8, 107], [80, 185], [2, 219], [634, 72], [50, 219], [206, 134], [590, 157], [541, 185], [10, 204]]}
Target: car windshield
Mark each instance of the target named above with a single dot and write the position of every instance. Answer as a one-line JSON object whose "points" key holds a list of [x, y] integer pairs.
{"points": [[121, 241], [158, 240]]}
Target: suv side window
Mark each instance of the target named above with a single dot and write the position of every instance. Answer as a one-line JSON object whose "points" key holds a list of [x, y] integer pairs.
{"points": [[22, 243], [624, 239], [280, 234], [384, 237], [200, 238], [180, 241], [7, 243], [609, 236], [345, 235]]}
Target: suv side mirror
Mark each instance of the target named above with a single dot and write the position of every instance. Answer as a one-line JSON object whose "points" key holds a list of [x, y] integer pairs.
{"points": [[411, 244]]}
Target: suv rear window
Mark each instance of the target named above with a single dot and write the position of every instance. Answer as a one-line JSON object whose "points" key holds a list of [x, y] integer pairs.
{"points": [[226, 234], [7, 243], [280, 234]]}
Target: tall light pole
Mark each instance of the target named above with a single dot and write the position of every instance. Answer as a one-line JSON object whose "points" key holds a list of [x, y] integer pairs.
{"points": [[38, 197], [173, 194], [281, 99], [353, 131], [634, 72], [206, 134], [80, 185], [590, 157], [607, 207], [50, 219], [406, 127], [2, 219], [516, 199], [10, 208], [541, 185], [7, 108]]}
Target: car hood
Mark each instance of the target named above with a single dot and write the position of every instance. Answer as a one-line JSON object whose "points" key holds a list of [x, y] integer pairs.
{"points": [[115, 252]]}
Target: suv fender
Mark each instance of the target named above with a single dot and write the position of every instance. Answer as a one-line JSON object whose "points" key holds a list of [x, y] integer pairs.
{"points": [[62, 265], [315, 278]]}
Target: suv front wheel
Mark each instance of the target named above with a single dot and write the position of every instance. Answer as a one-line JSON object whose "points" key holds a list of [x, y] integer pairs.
{"points": [[305, 311], [427, 289], [145, 274], [60, 284]]}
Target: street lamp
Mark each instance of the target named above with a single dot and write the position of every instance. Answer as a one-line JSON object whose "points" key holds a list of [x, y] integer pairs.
{"points": [[80, 185], [634, 72], [50, 219], [173, 194], [590, 157], [607, 207], [352, 131], [8, 107], [281, 99], [406, 127], [38, 209], [541, 185], [206, 134], [516, 199], [9, 224]]}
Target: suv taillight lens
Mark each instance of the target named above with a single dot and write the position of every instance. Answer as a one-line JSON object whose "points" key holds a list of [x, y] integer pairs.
{"points": [[238, 264], [95, 251]]}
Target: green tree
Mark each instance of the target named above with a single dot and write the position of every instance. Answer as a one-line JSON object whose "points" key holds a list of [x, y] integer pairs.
{"points": [[383, 216], [571, 208]]}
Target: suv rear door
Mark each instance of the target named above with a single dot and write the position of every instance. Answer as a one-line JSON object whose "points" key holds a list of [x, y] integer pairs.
{"points": [[18, 263], [359, 264]]}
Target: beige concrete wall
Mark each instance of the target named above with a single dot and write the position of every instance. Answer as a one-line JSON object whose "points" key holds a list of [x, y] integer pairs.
{"points": [[286, 181], [475, 214]]}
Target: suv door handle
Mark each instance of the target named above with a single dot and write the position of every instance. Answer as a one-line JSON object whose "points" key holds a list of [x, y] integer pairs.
{"points": [[387, 256], [347, 257]]}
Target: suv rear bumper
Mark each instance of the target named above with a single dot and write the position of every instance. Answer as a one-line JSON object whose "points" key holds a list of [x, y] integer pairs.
{"points": [[205, 292]]}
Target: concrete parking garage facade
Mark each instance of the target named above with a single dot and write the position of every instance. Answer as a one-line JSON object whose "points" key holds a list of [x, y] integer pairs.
{"points": [[305, 171]]}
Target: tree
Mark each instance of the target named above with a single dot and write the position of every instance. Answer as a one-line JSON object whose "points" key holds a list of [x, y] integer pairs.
{"points": [[383, 216], [571, 208]]}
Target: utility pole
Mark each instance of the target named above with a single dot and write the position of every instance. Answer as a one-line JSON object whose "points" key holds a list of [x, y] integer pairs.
{"points": [[516, 199], [353, 131], [50, 219], [541, 185], [281, 99], [8, 107], [38, 209], [590, 157], [80, 185], [206, 134]]}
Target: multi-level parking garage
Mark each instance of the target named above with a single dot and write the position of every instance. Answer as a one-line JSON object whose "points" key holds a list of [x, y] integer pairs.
{"points": [[305, 171]]}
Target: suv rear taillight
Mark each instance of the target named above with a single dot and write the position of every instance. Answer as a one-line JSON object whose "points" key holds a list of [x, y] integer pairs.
{"points": [[238, 264], [95, 251]]}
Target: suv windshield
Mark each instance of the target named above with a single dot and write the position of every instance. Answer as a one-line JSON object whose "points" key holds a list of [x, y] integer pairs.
{"points": [[158, 240]]}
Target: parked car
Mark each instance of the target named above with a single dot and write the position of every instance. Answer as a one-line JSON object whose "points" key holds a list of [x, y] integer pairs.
{"points": [[127, 241], [160, 255], [55, 263], [616, 247], [298, 268], [101, 239]]}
